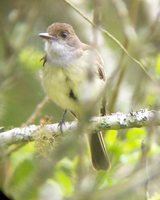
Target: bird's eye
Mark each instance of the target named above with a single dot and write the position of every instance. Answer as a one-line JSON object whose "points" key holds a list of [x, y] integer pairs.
{"points": [[64, 34]]}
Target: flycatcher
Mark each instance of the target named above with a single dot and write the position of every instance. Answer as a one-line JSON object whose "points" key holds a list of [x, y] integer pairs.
{"points": [[74, 78]]}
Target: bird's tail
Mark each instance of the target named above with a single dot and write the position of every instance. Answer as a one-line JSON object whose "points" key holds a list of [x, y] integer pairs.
{"points": [[99, 155]]}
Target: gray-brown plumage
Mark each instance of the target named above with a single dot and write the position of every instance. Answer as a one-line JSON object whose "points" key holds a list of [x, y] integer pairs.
{"points": [[74, 78]]}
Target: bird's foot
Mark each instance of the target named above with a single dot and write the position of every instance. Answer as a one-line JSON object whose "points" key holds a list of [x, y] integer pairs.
{"points": [[62, 122]]}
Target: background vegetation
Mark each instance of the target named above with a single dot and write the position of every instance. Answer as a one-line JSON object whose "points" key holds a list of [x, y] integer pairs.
{"points": [[26, 171]]}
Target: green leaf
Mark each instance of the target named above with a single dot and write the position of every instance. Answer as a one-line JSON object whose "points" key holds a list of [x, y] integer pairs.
{"points": [[30, 59], [23, 153], [135, 134], [111, 137], [20, 177], [64, 181]]}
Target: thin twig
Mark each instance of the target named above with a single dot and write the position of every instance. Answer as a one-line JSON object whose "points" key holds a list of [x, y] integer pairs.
{"points": [[122, 65], [112, 37], [36, 112]]}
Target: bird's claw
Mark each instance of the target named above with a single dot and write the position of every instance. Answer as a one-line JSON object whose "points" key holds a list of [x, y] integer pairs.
{"points": [[60, 125]]}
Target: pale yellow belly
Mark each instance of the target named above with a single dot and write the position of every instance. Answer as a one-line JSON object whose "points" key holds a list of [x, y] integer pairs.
{"points": [[58, 84]]}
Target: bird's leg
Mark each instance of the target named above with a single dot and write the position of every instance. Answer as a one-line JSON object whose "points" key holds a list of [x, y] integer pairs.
{"points": [[60, 124]]}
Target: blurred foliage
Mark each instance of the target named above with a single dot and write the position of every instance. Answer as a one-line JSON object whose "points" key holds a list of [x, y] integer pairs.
{"points": [[25, 173]]}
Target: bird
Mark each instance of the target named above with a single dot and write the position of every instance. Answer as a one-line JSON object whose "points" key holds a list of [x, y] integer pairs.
{"points": [[74, 78]]}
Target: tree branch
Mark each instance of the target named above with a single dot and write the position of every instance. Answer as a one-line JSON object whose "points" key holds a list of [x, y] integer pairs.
{"points": [[114, 121]]}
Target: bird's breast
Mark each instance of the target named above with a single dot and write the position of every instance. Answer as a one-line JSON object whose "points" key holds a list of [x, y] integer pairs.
{"points": [[70, 87], [62, 86]]}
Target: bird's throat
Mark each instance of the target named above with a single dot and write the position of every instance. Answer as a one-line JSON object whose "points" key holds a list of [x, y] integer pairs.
{"points": [[61, 54]]}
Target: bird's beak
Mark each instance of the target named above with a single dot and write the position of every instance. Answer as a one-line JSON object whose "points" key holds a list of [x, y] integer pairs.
{"points": [[46, 36]]}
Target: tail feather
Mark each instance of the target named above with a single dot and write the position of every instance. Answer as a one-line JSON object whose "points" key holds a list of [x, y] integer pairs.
{"points": [[100, 158]]}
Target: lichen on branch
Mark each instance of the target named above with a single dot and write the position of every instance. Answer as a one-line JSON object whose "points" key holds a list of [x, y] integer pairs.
{"points": [[115, 121]]}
